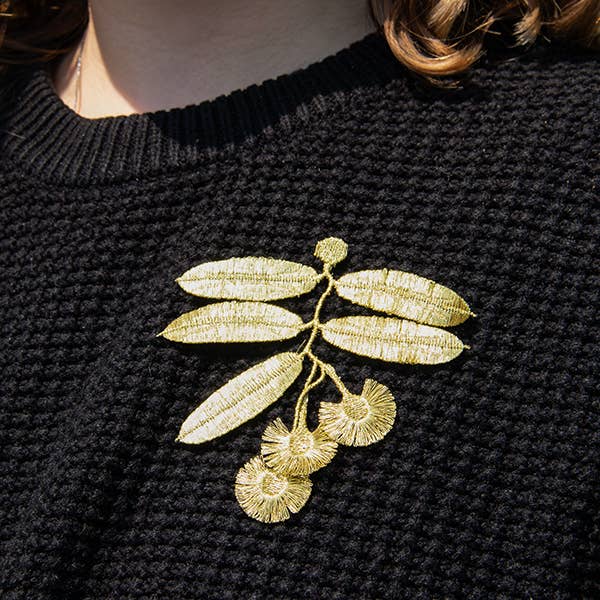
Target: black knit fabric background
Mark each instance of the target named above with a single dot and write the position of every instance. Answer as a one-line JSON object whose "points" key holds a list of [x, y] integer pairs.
{"points": [[487, 487]]}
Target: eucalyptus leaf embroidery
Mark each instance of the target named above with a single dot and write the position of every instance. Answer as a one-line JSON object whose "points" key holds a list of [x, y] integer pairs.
{"points": [[276, 483]]}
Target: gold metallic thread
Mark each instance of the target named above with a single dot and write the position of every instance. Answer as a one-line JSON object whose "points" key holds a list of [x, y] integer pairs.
{"points": [[242, 398], [268, 496], [275, 484], [249, 278], [359, 419]]}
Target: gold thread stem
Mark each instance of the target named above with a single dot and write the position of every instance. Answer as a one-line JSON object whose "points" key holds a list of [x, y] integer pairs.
{"points": [[330, 371], [300, 402], [316, 324]]}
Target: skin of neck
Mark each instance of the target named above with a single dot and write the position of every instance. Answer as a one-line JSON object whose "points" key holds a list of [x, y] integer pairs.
{"points": [[148, 55]]}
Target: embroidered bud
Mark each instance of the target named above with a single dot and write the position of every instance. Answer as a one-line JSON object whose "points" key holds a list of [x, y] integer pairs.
{"points": [[296, 452], [268, 496], [359, 420], [331, 250]]}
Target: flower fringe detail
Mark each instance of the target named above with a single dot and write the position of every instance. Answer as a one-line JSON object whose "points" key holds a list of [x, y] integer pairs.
{"points": [[359, 420], [268, 496], [296, 452]]}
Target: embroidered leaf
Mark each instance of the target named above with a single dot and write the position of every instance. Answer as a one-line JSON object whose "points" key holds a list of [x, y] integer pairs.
{"points": [[250, 278], [242, 398], [234, 322], [404, 295], [394, 340]]}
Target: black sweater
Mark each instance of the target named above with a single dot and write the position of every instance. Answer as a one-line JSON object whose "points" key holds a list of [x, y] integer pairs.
{"points": [[488, 485]]}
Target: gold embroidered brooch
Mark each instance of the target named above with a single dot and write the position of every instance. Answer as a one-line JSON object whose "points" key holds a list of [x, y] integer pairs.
{"points": [[276, 483]]}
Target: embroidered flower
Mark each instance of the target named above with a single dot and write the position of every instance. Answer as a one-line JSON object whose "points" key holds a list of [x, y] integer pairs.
{"points": [[359, 420], [269, 496], [296, 452]]}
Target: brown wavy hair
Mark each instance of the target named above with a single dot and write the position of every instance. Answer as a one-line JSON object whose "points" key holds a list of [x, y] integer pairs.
{"points": [[437, 39]]}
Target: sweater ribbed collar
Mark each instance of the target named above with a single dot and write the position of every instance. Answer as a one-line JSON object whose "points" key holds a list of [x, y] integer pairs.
{"points": [[40, 133]]}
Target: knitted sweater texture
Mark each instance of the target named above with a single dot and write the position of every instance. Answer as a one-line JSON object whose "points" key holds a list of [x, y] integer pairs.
{"points": [[488, 486]]}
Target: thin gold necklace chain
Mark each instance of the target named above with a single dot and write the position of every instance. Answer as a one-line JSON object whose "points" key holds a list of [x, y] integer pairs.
{"points": [[77, 103]]}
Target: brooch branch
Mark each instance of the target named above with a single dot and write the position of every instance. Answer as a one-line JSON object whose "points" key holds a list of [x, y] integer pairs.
{"points": [[276, 483]]}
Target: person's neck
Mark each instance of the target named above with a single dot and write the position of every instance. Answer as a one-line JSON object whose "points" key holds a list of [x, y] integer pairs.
{"points": [[148, 55]]}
